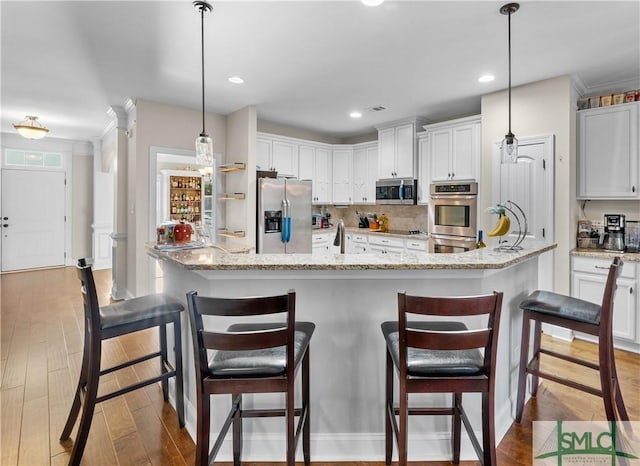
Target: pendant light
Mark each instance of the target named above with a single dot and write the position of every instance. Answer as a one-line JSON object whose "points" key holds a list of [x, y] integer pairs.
{"points": [[31, 128], [509, 147], [204, 144]]}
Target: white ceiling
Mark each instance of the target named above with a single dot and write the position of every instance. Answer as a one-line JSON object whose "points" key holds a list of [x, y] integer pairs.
{"points": [[306, 64]]}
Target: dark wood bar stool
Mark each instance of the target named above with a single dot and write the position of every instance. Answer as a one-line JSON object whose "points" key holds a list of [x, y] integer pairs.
{"points": [[249, 358], [579, 315], [121, 318], [442, 357]]}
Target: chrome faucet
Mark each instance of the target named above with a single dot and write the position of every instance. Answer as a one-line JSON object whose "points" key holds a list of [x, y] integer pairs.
{"points": [[339, 240]]}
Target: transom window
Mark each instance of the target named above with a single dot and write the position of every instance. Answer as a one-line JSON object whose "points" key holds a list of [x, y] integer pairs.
{"points": [[31, 158]]}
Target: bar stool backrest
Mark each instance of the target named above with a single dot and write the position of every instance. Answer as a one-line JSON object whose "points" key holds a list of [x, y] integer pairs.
{"points": [[483, 338], [90, 300], [204, 340]]}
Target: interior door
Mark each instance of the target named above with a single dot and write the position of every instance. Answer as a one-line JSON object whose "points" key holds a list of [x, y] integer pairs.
{"points": [[33, 219], [529, 183]]}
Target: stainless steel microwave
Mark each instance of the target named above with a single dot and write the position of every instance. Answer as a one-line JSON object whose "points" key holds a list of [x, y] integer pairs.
{"points": [[397, 191]]}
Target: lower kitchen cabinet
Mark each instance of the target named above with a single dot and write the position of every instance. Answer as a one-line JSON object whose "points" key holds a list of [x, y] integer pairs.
{"points": [[588, 277], [385, 244]]}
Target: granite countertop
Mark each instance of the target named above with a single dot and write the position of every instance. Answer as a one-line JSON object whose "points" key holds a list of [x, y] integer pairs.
{"points": [[212, 258], [602, 254]]}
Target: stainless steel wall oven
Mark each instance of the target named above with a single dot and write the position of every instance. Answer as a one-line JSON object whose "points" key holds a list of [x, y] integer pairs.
{"points": [[453, 216]]}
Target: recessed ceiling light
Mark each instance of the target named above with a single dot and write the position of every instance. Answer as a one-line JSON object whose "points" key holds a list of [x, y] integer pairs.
{"points": [[372, 2], [236, 80], [355, 114], [486, 78]]}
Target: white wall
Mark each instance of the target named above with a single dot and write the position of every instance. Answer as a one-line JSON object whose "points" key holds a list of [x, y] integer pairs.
{"points": [[241, 147], [166, 126], [544, 107]]}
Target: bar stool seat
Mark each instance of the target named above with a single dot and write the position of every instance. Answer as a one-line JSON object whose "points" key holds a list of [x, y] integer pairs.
{"points": [[433, 363], [265, 362], [582, 316], [121, 318], [566, 307]]}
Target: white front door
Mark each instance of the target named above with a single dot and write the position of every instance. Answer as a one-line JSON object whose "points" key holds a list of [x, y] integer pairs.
{"points": [[33, 219], [529, 183]]}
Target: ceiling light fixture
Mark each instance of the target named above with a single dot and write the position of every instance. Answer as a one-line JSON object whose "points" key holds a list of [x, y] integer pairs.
{"points": [[486, 78], [236, 80], [509, 147], [31, 128], [372, 2], [204, 144], [355, 114]]}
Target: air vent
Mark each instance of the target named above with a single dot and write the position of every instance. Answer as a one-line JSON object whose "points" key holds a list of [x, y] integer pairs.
{"points": [[378, 108]]}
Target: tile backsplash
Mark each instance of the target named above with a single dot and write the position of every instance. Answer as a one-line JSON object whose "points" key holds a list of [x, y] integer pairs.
{"points": [[411, 217]]}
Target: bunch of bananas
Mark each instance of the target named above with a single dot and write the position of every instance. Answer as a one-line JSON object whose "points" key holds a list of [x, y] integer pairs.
{"points": [[503, 224]]}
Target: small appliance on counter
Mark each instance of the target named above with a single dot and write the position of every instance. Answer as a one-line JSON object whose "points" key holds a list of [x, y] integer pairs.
{"points": [[614, 226], [632, 236]]}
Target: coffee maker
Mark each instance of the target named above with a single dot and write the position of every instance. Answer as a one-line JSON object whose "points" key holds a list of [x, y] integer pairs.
{"points": [[614, 232]]}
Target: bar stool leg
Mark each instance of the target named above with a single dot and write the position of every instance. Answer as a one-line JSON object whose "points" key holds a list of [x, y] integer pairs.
{"points": [[488, 429], [622, 410], [77, 399], [237, 430], [162, 338], [291, 446], [456, 427], [537, 334], [404, 421], [522, 369], [388, 411], [89, 404], [203, 427], [606, 379], [177, 339], [306, 429]]}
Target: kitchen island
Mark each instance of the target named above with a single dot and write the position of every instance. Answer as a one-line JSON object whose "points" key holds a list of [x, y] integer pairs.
{"points": [[348, 297]]}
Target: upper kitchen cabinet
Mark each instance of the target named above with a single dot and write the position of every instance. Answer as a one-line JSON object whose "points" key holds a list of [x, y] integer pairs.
{"points": [[365, 173], [424, 168], [453, 149], [281, 155], [608, 156], [397, 150], [315, 165], [342, 176]]}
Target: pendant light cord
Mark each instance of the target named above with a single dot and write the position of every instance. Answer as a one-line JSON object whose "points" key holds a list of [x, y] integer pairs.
{"points": [[509, 41], [202, 56]]}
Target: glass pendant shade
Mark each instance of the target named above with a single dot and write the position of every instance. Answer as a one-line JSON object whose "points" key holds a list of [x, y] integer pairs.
{"points": [[509, 149], [31, 128], [204, 149]]}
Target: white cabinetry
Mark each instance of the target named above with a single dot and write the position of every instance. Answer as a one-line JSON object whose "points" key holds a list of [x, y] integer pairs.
{"points": [[424, 168], [365, 173], [357, 243], [273, 153], [384, 244], [454, 149], [588, 277], [608, 154], [315, 165], [342, 176], [415, 245], [397, 150]]}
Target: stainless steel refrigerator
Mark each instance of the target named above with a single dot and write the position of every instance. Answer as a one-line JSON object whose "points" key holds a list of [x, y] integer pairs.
{"points": [[284, 216]]}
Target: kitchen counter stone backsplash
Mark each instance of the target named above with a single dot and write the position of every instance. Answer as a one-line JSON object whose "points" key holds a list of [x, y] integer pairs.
{"points": [[410, 217]]}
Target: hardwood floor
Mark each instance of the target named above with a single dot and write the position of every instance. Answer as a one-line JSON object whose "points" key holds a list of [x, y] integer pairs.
{"points": [[40, 354]]}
